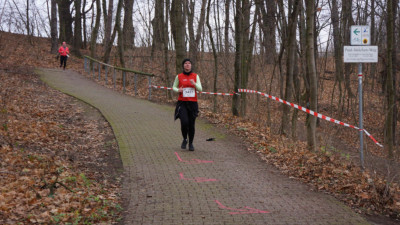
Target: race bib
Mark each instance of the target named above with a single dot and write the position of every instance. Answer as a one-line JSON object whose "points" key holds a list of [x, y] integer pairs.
{"points": [[189, 92]]}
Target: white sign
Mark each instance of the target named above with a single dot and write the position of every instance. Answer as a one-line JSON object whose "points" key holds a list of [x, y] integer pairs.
{"points": [[189, 93], [360, 54], [360, 35]]}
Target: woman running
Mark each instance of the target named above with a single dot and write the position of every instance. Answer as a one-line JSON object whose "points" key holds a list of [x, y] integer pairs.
{"points": [[187, 109]]}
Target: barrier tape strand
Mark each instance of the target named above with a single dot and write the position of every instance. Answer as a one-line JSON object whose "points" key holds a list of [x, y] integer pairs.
{"points": [[201, 92], [319, 115], [316, 114]]}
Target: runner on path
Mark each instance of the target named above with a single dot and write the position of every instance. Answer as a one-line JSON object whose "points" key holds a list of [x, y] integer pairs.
{"points": [[64, 51], [187, 109]]}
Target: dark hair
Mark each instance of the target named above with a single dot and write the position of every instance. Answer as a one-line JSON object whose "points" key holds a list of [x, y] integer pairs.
{"points": [[185, 60]]}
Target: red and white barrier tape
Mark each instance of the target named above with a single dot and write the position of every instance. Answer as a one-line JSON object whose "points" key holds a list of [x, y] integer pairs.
{"points": [[212, 93], [160, 87], [289, 104], [201, 92], [310, 112]]}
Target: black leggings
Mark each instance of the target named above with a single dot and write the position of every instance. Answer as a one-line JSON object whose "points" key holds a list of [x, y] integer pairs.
{"points": [[187, 114], [63, 59]]}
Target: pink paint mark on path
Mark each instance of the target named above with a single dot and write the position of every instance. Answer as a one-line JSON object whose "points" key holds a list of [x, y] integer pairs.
{"points": [[247, 209], [196, 179], [192, 161]]}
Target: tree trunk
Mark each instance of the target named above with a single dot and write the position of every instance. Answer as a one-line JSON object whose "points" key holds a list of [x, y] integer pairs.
{"points": [[214, 54], [268, 27], [107, 52], [304, 99], [128, 29], [158, 26], [165, 40], [226, 29], [28, 30], [390, 79], [109, 44], [283, 30], [194, 40], [346, 24], [217, 22], [238, 57], [373, 42], [338, 47], [108, 18], [120, 35], [303, 49], [312, 73], [243, 53], [291, 51], [247, 62], [178, 33], [65, 20], [297, 93], [53, 27], [84, 26], [95, 31], [77, 44]]}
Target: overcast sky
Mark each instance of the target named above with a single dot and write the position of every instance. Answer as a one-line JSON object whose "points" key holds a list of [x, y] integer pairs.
{"points": [[13, 17]]}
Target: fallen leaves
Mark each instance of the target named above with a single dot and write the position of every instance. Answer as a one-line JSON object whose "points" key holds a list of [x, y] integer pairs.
{"points": [[46, 173]]}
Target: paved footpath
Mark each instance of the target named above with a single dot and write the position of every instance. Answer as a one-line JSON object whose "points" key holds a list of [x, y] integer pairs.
{"points": [[219, 183]]}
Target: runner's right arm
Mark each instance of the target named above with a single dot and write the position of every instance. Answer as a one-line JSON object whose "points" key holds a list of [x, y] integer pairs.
{"points": [[175, 87]]}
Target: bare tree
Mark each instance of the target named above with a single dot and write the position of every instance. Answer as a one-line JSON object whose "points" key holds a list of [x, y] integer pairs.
{"points": [[347, 21], [311, 73], [214, 54], [95, 30], [107, 51], [165, 40], [178, 32], [283, 33], [226, 29], [338, 48], [84, 24], [128, 30], [194, 40], [290, 51], [243, 53], [268, 15], [77, 44], [108, 18], [373, 41], [65, 20], [27, 18], [158, 26], [53, 27], [120, 35], [390, 123]]}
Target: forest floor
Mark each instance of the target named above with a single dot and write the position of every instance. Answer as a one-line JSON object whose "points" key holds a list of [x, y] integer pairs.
{"points": [[48, 149], [59, 159]]}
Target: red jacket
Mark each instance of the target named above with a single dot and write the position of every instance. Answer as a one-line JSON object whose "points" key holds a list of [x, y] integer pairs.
{"points": [[63, 51], [184, 82]]}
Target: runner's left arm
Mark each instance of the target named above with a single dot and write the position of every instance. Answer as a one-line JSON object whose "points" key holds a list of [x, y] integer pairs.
{"points": [[198, 84]]}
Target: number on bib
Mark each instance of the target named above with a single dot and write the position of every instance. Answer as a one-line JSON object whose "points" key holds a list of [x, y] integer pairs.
{"points": [[189, 92]]}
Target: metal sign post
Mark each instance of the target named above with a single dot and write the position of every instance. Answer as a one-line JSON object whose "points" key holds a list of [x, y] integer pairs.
{"points": [[360, 110], [363, 53]]}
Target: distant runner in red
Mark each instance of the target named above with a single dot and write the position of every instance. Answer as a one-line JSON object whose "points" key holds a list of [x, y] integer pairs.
{"points": [[64, 51], [187, 109]]}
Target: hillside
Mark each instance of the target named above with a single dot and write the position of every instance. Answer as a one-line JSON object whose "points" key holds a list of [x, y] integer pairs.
{"points": [[59, 159], [333, 169]]}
